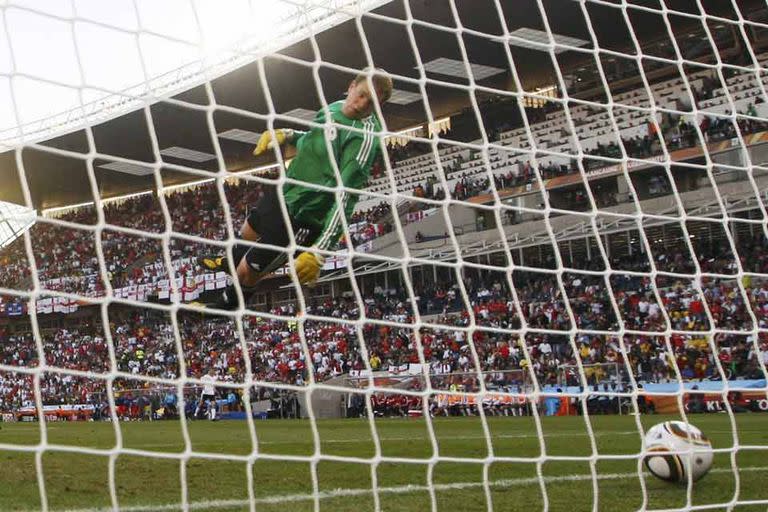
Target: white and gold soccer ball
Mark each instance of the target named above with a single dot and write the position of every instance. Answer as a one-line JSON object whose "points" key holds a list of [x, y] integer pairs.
{"points": [[694, 451]]}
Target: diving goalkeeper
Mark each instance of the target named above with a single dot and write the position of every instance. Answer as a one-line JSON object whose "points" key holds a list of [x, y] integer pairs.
{"points": [[315, 215]]}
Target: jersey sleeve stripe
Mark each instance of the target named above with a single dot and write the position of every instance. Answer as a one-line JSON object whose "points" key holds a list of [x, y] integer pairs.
{"points": [[371, 141], [365, 148], [362, 146], [362, 150], [333, 226]]}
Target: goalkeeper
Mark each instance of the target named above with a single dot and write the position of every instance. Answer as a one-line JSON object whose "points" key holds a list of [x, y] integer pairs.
{"points": [[314, 214]]}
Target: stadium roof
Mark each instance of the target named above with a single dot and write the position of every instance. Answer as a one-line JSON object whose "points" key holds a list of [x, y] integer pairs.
{"points": [[14, 221], [183, 127], [185, 45]]}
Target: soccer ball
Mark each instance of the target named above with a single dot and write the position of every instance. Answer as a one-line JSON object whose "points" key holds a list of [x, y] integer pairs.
{"points": [[676, 436]]}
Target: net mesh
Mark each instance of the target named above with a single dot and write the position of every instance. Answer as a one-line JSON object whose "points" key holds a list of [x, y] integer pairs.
{"points": [[522, 213]]}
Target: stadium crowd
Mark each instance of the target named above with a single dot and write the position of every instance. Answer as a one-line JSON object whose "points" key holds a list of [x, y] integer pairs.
{"points": [[677, 134], [145, 345], [66, 258]]}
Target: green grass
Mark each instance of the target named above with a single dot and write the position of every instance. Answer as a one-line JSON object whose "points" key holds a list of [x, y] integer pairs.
{"points": [[78, 480]]}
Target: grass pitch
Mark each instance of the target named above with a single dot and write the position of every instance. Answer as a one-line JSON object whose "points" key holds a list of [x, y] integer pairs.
{"points": [[148, 471]]}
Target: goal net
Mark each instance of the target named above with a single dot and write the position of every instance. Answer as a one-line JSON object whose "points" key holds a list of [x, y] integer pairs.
{"points": [[539, 228]]}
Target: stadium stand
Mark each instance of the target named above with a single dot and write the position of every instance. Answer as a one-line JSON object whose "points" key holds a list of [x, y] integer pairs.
{"points": [[144, 342]]}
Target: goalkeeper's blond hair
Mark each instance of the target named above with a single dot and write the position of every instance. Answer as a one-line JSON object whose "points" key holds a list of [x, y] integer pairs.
{"points": [[380, 79]]}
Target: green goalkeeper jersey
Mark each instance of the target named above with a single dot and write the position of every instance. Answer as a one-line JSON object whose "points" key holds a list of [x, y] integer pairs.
{"points": [[354, 153]]}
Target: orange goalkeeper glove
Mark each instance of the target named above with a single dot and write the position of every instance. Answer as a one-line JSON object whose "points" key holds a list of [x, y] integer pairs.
{"points": [[308, 267], [266, 141]]}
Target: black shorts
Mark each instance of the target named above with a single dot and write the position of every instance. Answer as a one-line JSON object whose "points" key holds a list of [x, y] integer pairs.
{"points": [[207, 398], [268, 221]]}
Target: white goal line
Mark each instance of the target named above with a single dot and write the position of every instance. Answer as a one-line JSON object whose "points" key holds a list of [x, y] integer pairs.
{"points": [[407, 489]]}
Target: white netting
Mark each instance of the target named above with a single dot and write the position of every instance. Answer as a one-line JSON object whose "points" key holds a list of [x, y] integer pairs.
{"points": [[576, 227]]}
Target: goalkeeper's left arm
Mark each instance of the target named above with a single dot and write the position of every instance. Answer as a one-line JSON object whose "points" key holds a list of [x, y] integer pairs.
{"points": [[354, 165]]}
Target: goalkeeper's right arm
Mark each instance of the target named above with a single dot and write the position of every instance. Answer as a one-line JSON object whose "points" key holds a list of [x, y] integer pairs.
{"points": [[282, 136]]}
